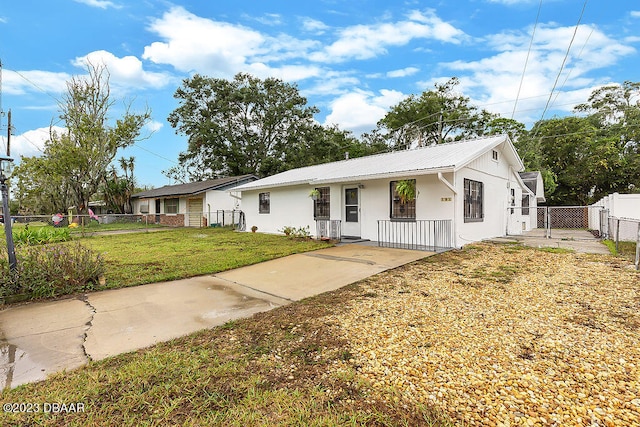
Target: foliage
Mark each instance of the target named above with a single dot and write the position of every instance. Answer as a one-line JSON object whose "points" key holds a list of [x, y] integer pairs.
{"points": [[238, 127], [50, 270], [436, 116], [296, 233], [40, 235], [117, 189], [583, 158], [75, 162], [249, 125], [406, 190]]}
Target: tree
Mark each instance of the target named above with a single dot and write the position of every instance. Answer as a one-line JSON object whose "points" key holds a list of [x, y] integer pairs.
{"points": [[117, 189], [36, 190], [615, 111], [434, 117], [236, 127], [77, 160]]}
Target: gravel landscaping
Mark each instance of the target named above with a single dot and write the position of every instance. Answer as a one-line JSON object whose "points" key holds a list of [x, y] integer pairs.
{"points": [[504, 335]]}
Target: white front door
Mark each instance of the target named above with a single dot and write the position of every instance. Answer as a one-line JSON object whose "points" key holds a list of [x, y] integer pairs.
{"points": [[351, 212]]}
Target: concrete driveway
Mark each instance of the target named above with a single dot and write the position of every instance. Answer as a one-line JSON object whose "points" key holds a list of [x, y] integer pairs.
{"points": [[37, 339], [576, 240]]}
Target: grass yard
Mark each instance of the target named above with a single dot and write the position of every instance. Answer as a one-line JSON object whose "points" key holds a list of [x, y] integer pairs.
{"points": [[489, 335], [138, 258]]}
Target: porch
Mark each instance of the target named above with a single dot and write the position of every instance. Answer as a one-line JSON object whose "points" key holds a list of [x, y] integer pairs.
{"points": [[424, 235]]}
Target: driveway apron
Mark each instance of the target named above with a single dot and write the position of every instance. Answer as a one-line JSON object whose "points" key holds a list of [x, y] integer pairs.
{"points": [[37, 339]]}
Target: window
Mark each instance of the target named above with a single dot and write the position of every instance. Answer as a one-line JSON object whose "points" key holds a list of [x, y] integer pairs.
{"points": [[513, 199], [264, 203], [321, 207], [402, 208], [473, 201], [525, 204], [171, 206], [494, 155], [351, 204]]}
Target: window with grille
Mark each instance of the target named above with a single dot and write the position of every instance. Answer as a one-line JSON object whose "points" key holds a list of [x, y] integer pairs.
{"points": [[171, 206], [402, 209], [473, 201], [321, 205], [264, 203]]}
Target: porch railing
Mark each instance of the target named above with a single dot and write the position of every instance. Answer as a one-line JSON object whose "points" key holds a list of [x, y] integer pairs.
{"points": [[426, 234], [328, 228]]}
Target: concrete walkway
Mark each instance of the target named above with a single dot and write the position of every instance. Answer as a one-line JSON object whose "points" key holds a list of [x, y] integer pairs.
{"points": [[576, 240], [37, 339]]}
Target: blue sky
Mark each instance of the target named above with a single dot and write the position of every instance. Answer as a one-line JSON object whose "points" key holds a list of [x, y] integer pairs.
{"points": [[352, 59]]}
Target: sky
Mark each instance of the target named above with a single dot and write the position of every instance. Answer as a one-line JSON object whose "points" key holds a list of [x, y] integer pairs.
{"points": [[354, 60]]}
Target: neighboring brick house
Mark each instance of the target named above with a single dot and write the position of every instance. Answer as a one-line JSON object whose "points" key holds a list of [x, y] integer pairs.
{"points": [[189, 205]]}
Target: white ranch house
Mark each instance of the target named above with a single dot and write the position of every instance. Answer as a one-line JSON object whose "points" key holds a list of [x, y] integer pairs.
{"points": [[195, 204], [465, 192]]}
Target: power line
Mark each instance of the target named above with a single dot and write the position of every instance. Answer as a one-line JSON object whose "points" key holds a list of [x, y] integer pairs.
{"points": [[564, 61], [526, 61]]}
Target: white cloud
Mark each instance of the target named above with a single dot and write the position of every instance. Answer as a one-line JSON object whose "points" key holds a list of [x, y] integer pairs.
{"points": [[286, 73], [272, 19], [193, 43], [314, 26], [404, 72], [102, 4], [494, 81], [635, 13], [154, 126], [22, 82], [125, 72], [360, 111], [368, 41], [30, 143]]}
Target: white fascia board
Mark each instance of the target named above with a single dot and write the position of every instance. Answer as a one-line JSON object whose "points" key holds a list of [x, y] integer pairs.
{"points": [[267, 186], [369, 177]]}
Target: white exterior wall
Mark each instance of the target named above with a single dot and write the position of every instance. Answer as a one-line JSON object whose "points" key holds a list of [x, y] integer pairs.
{"points": [[498, 179], [292, 206]]}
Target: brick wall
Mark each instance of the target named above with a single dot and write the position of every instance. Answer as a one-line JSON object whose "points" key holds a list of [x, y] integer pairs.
{"points": [[176, 220]]}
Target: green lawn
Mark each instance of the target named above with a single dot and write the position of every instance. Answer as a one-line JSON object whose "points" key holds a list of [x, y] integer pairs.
{"points": [[137, 258]]}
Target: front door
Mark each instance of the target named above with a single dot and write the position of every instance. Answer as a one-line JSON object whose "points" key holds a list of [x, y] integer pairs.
{"points": [[157, 211], [351, 212], [195, 213]]}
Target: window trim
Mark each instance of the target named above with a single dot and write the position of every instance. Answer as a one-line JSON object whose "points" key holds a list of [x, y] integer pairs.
{"points": [[324, 202], [393, 199], [264, 202], [495, 155], [166, 205], [470, 214]]}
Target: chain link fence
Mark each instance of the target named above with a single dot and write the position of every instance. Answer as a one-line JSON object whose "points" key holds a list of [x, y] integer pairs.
{"points": [[91, 222], [621, 230]]}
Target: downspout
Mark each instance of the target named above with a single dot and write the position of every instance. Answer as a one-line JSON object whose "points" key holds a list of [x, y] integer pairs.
{"points": [[451, 187]]}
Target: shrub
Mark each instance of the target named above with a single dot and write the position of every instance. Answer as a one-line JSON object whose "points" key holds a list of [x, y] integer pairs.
{"points": [[50, 270]]}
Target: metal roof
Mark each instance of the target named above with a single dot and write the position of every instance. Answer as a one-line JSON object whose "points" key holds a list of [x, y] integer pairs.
{"points": [[192, 188], [420, 161]]}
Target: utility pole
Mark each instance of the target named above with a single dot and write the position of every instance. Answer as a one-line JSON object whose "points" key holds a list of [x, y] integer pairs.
{"points": [[9, 134], [440, 128]]}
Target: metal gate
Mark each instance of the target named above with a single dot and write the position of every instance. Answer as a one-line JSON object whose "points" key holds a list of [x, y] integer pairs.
{"points": [[558, 221]]}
